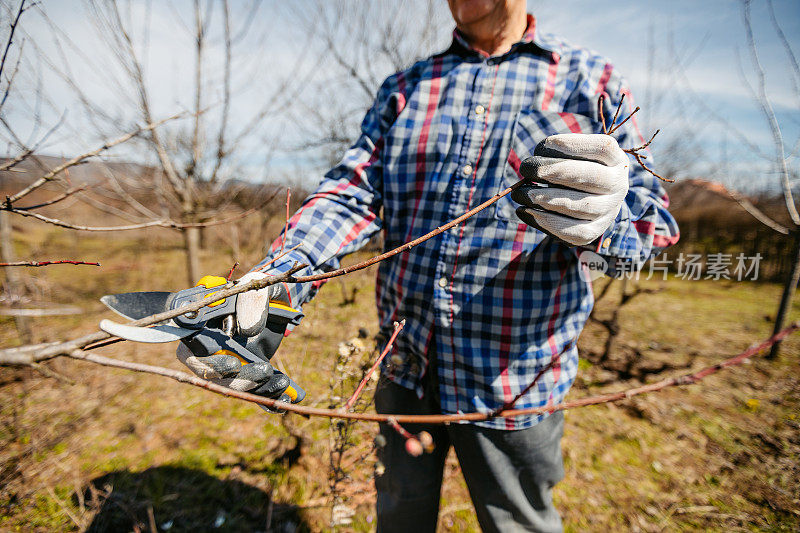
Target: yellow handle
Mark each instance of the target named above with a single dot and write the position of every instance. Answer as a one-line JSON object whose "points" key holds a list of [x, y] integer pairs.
{"points": [[209, 282]]}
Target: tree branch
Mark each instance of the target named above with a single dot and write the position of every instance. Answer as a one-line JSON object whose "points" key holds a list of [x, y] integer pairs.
{"points": [[685, 379], [150, 224], [24, 355], [51, 201], [410, 244], [398, 326], [769, 114], [81, 158], [46, 263]]}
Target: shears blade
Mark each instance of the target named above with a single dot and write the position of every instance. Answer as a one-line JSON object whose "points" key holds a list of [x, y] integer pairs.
{"points": [[152, 334], [136, 305]]}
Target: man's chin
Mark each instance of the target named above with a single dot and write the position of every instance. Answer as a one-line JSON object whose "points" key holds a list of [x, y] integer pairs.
{"points": [[471, 11]]}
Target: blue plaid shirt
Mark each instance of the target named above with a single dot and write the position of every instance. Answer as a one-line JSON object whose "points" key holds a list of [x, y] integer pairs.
{"points": [[502, 298]]}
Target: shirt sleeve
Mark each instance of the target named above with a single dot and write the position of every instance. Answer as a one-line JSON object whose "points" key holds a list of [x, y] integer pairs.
{"points": [[643, 226], [342, 214]]}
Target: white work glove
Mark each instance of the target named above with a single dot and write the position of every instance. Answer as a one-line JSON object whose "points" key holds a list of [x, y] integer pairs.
{"points": [[252, 307], [582, 180], [252, 310]]}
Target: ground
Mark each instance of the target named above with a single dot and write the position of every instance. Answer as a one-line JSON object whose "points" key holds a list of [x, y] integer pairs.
{"points": [[121, 451]]}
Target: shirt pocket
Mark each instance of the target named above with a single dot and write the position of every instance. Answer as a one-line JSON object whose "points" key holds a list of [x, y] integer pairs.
{"points": [[531, 126]]}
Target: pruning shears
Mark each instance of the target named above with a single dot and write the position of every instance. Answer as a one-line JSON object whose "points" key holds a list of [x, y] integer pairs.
{"points": [[208, 331]]}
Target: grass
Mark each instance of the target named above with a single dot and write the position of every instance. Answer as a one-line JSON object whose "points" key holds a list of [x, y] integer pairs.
{"points": [[117, 447]]}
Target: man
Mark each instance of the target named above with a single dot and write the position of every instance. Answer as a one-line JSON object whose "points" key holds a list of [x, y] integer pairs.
{"points": [[490, 303]]}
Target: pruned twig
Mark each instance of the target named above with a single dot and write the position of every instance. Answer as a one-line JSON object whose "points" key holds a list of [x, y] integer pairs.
{"points": [[398, 326], [414, 446], [613, 128]]}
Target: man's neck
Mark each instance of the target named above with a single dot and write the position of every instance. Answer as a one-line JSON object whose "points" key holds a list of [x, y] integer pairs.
{"points": [[497, 31]]}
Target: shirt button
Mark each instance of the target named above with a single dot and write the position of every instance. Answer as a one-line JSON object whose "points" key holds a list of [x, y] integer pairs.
{"points": [[607, 242], [443, 282], [466, 170], [479, 109]]}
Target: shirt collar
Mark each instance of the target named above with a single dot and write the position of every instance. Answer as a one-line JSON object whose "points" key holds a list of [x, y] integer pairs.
{"points": [[531, 37]]}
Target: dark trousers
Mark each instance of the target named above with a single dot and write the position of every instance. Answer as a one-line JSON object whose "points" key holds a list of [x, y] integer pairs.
{"points": [[510, 474]]}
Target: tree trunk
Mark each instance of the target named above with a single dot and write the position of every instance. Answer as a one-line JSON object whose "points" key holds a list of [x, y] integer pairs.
{"points": [[14, 285], [191, 246], [788, 293]]}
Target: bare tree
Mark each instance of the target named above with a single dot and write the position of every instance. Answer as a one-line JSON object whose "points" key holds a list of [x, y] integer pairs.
{"points": [[199, 163], [779, 159], [775, 162]]}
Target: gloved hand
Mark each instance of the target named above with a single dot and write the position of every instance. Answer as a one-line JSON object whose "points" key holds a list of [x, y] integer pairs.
{"points": [[222, 368], [582, 182]]}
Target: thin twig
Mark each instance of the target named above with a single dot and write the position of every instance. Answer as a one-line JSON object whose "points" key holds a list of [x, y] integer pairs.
{"points": [[616, 115], [601, 114], [46, 263], [410, 244], [52, 201], [642, 147], [11, 31], [639, 159], [553, 361], [398, 326], [171, 224], [279, 256], [286, 227], [618, 126], [230, 272]]}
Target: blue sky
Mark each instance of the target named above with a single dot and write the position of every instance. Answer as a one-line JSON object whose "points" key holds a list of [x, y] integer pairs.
{"points": [[643, 38]]}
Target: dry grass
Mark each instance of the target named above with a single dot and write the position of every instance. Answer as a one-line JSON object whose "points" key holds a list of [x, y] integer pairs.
{"points": [[117, 448]]}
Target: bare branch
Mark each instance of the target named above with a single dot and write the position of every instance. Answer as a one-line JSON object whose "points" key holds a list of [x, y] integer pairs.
{"points": [[184, 377], [411, 244], [46, 263], [758, 214], [11, 163], [50, 311], [150, 224], [53, 200], [286, 226], [10, 41], [398, 326], [786, 47], [81, 158], [766, 108], [24, 355], [222, 152]]}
